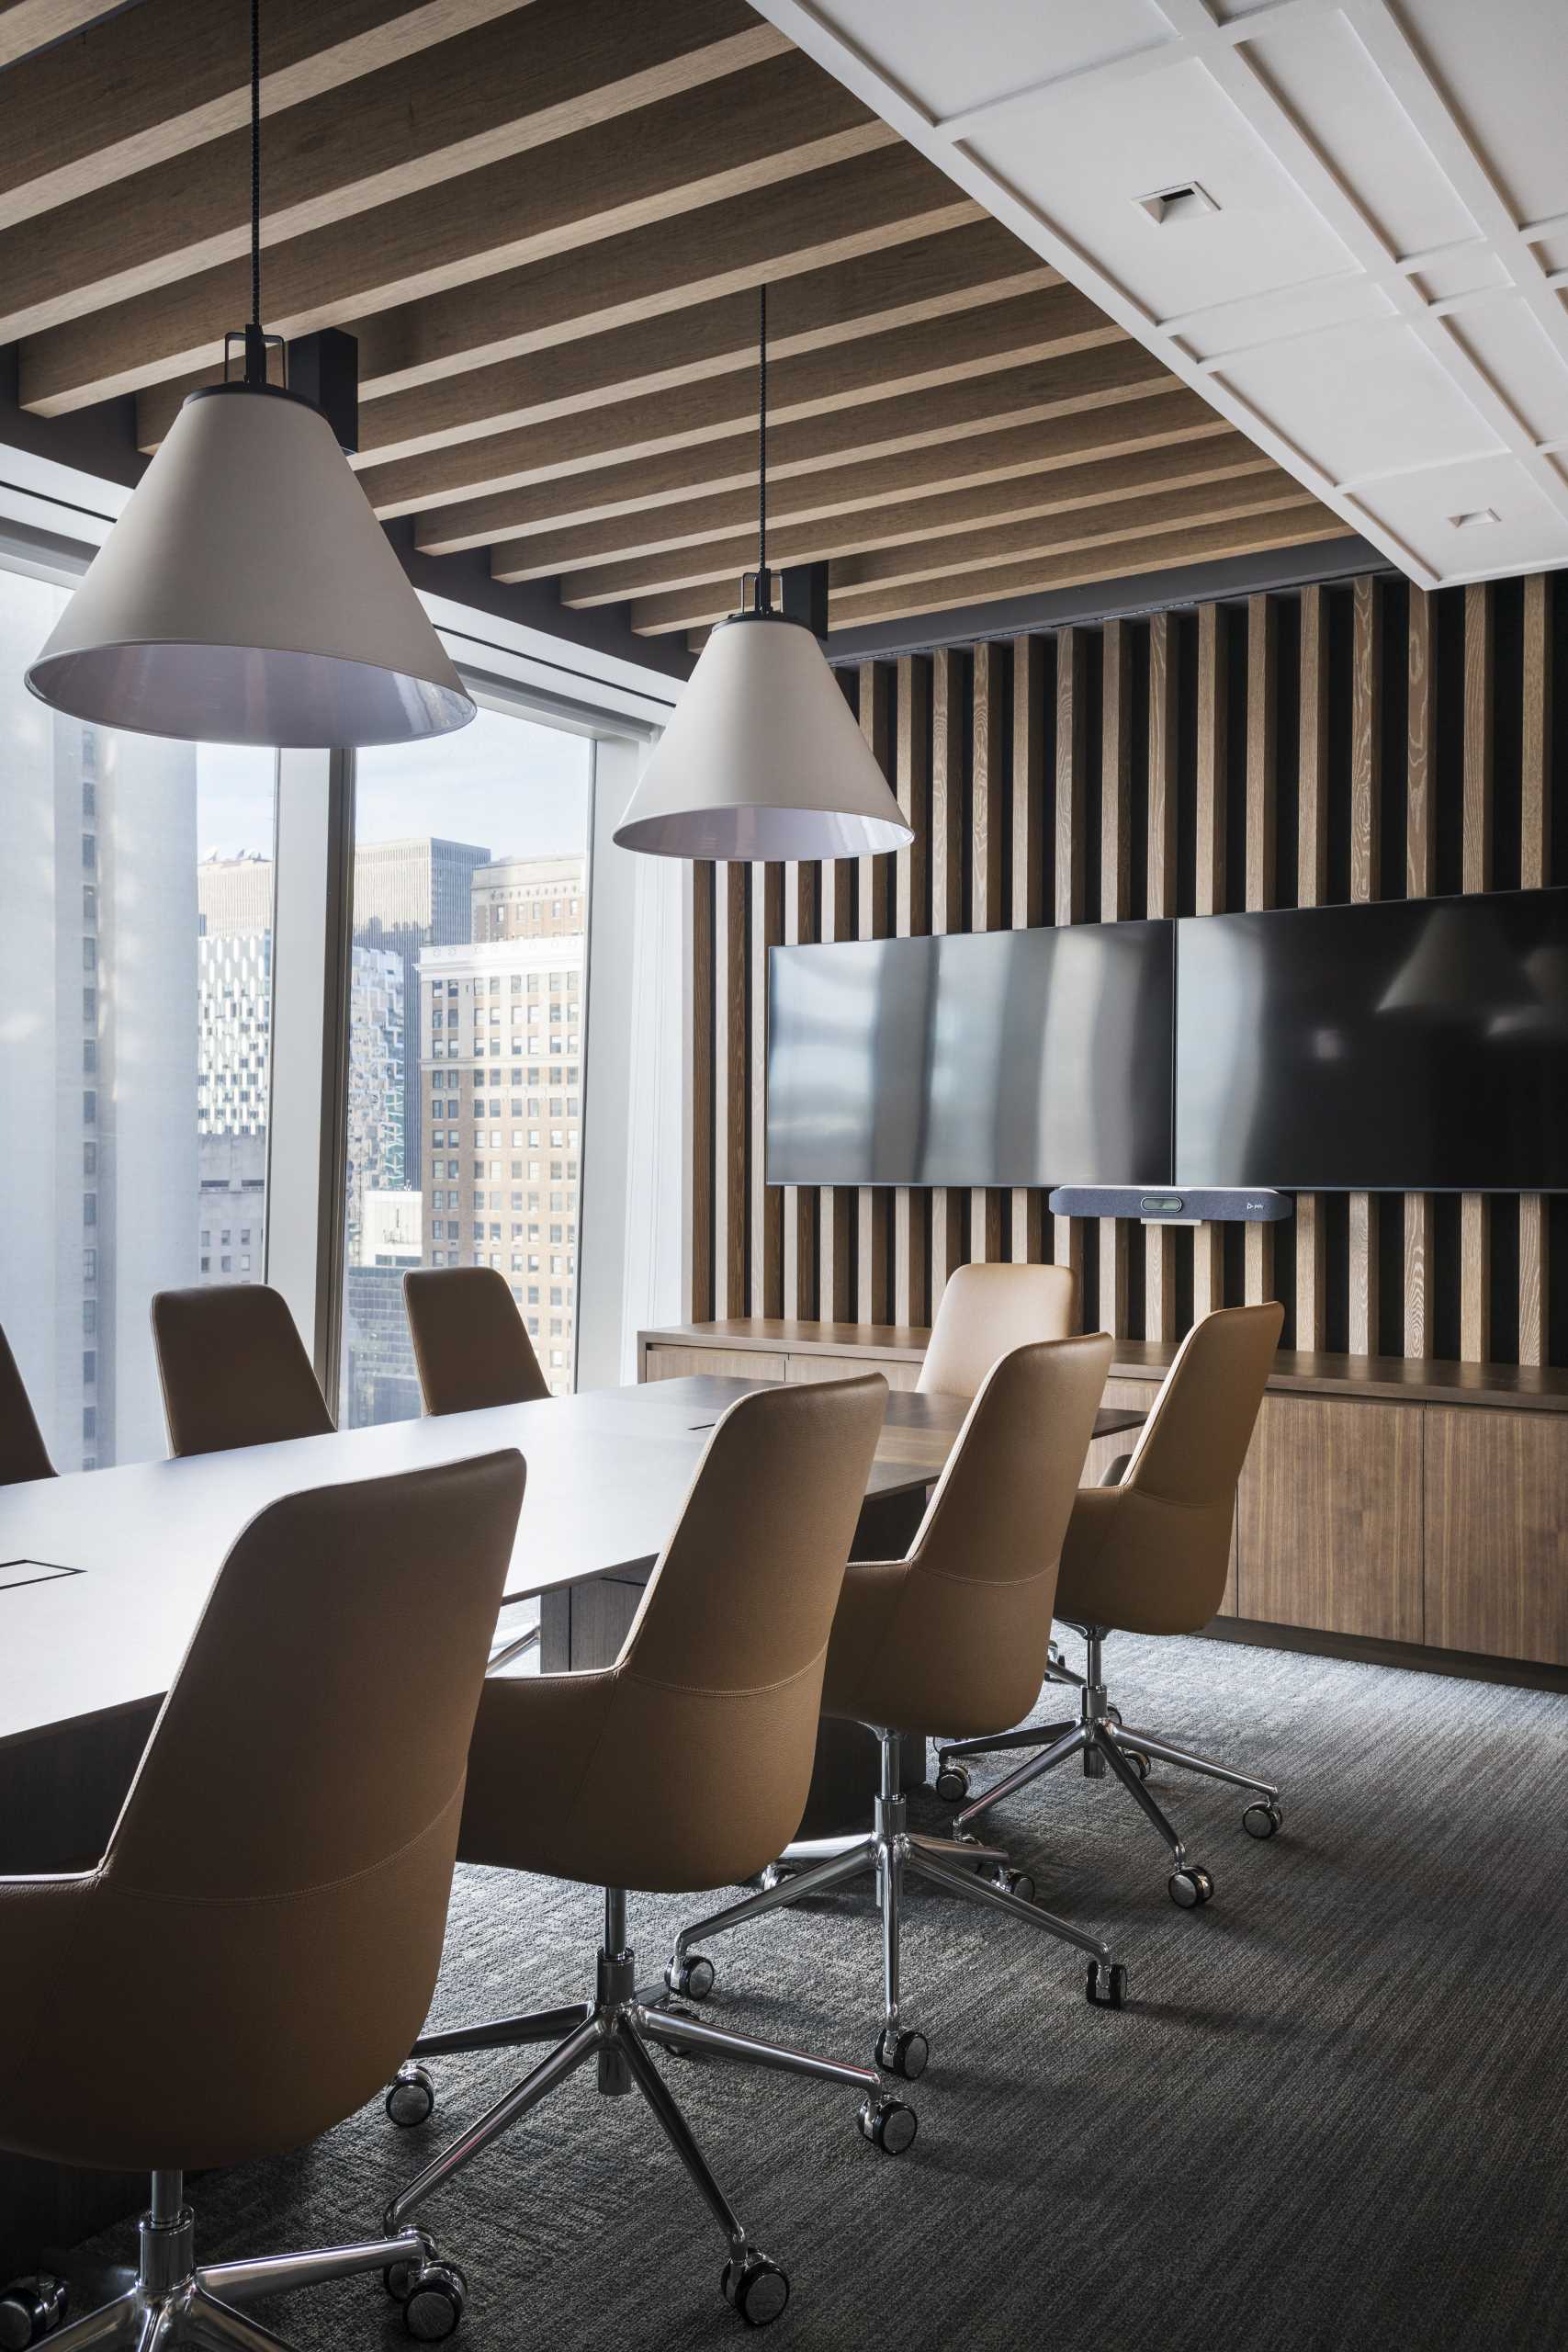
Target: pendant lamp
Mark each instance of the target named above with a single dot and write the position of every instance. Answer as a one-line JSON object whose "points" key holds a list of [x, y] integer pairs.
{"points": [[248, 595], [762, 758]]}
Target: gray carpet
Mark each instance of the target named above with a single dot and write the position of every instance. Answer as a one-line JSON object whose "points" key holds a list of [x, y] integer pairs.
{"points": [[1333, 2117]]}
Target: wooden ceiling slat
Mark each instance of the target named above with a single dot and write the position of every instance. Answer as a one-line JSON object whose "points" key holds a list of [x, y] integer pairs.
{"points": [[27, 24], [1299, 527], [1046, 329], [866, 204], [947, 560], [931, 277], [546, 72], [154, 81], [538, 532], [718, 142], [916, 522]]}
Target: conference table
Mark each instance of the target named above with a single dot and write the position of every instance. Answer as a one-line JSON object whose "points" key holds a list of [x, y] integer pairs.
{"points": [[104, 1575]]}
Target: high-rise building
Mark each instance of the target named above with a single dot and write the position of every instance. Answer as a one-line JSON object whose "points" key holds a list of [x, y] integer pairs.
{"points": [[376, 1123], [233, 1024], [409, 895], [234, 894], [528, 898], [98, 974], [501, 1055]]}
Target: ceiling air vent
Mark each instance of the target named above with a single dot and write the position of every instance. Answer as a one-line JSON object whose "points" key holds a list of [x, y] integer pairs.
{"points": [[1168, 205], [1473, 520]]}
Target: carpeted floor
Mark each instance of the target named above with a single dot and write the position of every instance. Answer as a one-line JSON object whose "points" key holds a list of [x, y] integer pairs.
{"points": [[1334, 2117]]}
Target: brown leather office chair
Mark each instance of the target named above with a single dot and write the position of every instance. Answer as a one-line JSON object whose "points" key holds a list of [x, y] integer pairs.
{"points": [[470, 1344], [954, 1634], [473, 1351], [259, 1943], [1150, 1554], [233, 1369], [985, 1312], [23, 1453], [686, 1764]]}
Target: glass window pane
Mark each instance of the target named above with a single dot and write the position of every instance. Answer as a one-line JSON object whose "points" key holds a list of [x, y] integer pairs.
{"points": [[462, 849], [149, 1081]]}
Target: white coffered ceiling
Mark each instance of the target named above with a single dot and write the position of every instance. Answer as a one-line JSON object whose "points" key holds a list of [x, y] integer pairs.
{"points": [[1376, 295]]}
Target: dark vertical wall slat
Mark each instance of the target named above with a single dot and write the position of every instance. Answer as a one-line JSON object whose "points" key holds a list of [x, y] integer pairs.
{"points": [[1475, 1210], [1390, 737]]}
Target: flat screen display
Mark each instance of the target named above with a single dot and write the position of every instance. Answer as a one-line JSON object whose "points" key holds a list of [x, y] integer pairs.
{"points": [[1417, 1047], [1004, 1057]]}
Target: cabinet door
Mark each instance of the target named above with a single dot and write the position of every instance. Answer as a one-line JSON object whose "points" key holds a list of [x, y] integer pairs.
{"points": [[661, 1363], [1497, 1532], [1126, 1395], [1330, 1517], [814, 1367]]}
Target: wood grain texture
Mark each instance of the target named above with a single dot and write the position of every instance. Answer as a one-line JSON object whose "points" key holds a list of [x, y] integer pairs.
{"points": [[723, 139], [1262, 741], [947, 844], [623, 509], [1312, 1272], [1361, 1273], [1480, 682], [705, 1131], [1330, 1517], [663, 1360], [1072, 738], [1420, 757], [874, 894], [1535, 873], [732, 1100], [1497, 1534], [1420, 1270], [767, 887], [1116, 773], [1474, 1277]]}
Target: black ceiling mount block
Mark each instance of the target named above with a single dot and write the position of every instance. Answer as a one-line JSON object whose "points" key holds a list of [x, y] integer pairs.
{"points": [[803, 595], [324, 368]]}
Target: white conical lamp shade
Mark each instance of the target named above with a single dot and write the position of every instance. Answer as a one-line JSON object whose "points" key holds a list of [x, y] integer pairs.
{"points": [[248, 595], [762, 759]]}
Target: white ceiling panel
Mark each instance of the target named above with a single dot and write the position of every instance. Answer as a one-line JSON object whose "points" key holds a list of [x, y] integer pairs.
{"points": [[999, 48], [1085, 154], [1377, 297], [1426, 510], [1366, 400], [1324, 75]]}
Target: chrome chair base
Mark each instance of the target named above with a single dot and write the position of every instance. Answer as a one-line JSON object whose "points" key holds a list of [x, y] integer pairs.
{"points": [[893, 1853], [176, 2300], [1105, 1742], [614, 2030]]}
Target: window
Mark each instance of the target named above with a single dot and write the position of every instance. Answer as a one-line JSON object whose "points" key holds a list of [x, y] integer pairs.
{"points": [[430, 819], [148, 875]]}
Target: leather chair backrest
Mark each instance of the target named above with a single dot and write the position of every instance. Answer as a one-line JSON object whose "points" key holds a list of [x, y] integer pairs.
{"points": [[986, 1311], [700, 1771], [23, 1453], [233, 1369], [470, 1344], [259, 1946], [966, 1643], [1191, 1448]]}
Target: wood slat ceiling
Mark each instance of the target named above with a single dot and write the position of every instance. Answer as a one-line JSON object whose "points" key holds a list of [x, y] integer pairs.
{"points": [[545, 221]]}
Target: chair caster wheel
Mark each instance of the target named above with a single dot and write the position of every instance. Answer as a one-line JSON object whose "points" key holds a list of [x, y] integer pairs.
{"points": [[436, 2299], [690, 1974], [31, 2308], [953, 1783], [1263, 1819], [1190, 1887], [902, 2054], [888, 2124], [412, 2098], [1107, 1985], [756, 2288], [1017, 1883]]}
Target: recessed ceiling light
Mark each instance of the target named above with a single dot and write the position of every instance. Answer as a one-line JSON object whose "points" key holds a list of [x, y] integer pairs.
{"points": [[1186, 202], [1480, 514]]}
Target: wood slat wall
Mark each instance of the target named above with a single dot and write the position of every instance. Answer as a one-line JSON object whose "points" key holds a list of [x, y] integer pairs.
{"points": [[1352, 742]]}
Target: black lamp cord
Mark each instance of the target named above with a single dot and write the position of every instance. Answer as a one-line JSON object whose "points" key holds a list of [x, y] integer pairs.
{"points": [[255, 337], [763, 443]]}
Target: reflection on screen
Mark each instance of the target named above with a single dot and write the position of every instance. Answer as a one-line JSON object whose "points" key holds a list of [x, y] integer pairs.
{"points": [[1008, 1057]]}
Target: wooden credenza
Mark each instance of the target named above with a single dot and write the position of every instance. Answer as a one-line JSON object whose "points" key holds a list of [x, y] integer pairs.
{"points": [[1386, 1504]]}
